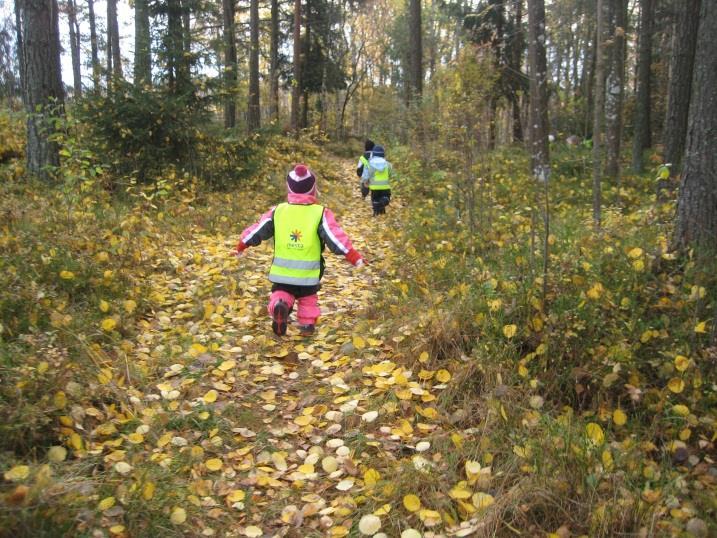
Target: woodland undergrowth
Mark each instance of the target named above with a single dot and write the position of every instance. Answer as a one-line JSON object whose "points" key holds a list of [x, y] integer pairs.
{"points": [[577, 401], [592, 395]]}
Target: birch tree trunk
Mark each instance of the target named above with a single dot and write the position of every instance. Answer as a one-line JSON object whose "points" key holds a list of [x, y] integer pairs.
{"points": [[599, 111], [615, 87], [539, 148]]}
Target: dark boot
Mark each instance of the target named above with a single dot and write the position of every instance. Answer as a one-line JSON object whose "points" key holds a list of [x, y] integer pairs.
{"points": [[307, 330], [279, 318]]}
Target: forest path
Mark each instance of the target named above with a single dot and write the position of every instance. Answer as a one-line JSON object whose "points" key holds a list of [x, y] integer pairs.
{"points": [[293, 432]]}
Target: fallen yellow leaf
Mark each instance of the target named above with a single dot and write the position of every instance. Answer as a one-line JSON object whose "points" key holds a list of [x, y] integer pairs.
{"points": [[106, 504], [681, 363], [510, 330], [443, 376], [214, 464], [412, 503], [210, 396], [619, 417], [676, 385], [178, 516], [595, 433]]}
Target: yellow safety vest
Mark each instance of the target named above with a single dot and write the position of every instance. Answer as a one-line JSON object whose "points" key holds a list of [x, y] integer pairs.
{"points": [[379, 181], [297, 246]]}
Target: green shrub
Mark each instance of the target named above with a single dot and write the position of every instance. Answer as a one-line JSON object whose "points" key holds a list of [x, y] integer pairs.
{"points": [[141, 131]]}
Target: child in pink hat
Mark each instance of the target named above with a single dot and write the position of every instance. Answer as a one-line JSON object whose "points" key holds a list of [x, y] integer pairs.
{"points": [[301, 227]]}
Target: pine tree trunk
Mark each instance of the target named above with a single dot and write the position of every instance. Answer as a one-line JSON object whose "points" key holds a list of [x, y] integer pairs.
{"points": [[93, 46], [74, 48], [590, 85], [108, 46], [114, 57], [663, 45], [517, 124], [492, 122], [642, 138], [306, 51], [305, 109], [230, 64], [576, 61], [296, 83], [185, 61], [174, 45], [43, 83], [615, 87], [539, 148], [20, 48], [254, 112], [142, 43], [516, 61], [433, 43], [697, 204], [680, 84], [599, 110], [415, 46], [274, 62]]}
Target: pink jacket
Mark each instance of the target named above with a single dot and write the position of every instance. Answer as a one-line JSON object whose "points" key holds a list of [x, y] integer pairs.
{"points": [[331, 234]]}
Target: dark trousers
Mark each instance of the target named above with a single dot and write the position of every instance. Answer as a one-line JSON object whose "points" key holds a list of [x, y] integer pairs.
{"points": [[379, 200]]}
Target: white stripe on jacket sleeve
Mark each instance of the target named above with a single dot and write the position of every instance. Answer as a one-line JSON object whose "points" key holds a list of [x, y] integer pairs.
{"points": [[256, 230], [331, 236]]}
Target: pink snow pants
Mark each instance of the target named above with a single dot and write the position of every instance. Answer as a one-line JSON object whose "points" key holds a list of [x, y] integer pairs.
{"points": [[308, 309]]}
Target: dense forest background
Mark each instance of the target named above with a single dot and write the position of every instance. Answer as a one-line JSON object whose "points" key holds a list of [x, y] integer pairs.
{"points": [[352, 69], [602, 74], [530, 351]]}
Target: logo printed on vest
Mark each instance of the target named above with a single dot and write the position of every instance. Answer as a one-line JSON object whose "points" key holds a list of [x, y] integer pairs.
{"points": [[295, 240]]}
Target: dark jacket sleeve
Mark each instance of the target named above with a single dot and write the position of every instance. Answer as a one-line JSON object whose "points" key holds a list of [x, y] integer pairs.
{"points": [[258, 232]]}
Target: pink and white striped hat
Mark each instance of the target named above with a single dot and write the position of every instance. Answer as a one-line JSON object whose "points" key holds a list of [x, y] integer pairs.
{"points": [[301, 180]]}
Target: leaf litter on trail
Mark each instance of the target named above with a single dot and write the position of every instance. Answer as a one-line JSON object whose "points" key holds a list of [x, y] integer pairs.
{"points": [[269, 432]]}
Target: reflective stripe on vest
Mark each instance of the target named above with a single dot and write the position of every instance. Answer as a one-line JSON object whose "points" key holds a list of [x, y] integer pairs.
{"points": [[296, 264], [363, 161], [379, 181], [297, 246]]}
